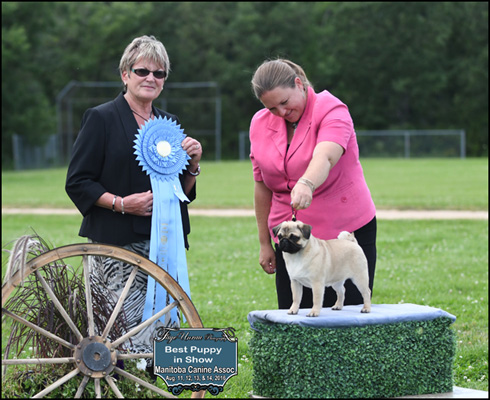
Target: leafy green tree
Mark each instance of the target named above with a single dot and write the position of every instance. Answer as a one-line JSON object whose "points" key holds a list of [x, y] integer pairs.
{"points": [[410, 65], [26, 109], [397, 65], [467, 51]]}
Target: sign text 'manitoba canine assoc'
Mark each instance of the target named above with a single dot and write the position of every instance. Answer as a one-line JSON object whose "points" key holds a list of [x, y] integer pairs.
{"points": [[195, 359]]}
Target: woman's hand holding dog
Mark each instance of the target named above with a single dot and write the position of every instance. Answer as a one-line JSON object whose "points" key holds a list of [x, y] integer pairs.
{"points": [[325, 156], [301, 196]]}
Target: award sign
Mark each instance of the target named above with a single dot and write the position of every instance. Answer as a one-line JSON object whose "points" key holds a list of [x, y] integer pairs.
{"points": [[195, 359], [159, 152]]}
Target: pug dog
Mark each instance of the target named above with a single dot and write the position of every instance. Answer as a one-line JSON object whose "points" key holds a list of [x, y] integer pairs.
{"points": [[317, 263]]}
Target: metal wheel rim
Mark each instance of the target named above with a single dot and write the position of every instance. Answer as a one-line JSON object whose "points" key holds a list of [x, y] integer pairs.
{"points": [[90, 342]]}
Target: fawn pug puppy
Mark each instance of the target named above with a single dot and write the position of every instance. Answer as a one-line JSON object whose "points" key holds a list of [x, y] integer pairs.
{"points": [[317, 263]]}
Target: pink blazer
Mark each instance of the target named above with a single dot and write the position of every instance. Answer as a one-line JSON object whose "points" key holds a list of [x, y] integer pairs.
{"points": [[343, 201]]}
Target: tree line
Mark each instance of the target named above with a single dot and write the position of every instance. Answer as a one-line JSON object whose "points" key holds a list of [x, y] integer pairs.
{"points": [[397, 65]]}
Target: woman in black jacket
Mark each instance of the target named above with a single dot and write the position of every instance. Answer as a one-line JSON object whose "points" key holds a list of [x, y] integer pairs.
{"points": [[110, 188]]}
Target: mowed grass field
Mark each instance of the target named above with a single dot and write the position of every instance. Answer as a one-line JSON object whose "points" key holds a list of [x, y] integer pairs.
{"points": [[442, 264], [455, 184]]}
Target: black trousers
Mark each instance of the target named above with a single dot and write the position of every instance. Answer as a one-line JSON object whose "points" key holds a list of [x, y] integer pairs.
{"points": [[366, 237]]}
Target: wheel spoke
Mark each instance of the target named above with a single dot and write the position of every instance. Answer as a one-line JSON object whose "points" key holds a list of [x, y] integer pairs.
{"points": [[81, 388], [143, 383], [143, 325], [25, 361], [88, 296], [98, 392], [58, 305], [120, 302], [114, 388], [57, 384], [38, 329]]}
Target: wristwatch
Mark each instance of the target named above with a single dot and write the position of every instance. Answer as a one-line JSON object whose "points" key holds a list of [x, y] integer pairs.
{"points": [[197, 172]]}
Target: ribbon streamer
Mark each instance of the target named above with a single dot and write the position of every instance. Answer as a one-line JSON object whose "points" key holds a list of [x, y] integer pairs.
{"points": [[159, 152]]}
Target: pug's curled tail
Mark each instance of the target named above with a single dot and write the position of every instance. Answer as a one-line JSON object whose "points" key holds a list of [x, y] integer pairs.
{"points": [[347, 236]]}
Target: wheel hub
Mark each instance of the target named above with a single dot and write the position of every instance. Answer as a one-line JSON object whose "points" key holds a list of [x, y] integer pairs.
{"points": [[94, 357]]}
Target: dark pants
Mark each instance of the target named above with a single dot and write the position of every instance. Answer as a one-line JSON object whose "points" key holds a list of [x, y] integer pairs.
{"points": [[366, 237]]}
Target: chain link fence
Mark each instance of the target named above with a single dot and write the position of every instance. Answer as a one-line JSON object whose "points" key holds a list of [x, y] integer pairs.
{"points": [[197, 104], [396, 143]]}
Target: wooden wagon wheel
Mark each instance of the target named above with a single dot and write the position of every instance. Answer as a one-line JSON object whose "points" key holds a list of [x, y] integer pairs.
{"points": [[88, 344]]}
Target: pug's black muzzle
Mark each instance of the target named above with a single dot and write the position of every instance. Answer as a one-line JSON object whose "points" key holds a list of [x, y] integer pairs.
{"points": [[289, 246]]}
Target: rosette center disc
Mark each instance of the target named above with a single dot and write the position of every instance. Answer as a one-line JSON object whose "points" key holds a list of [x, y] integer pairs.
{"points": [[164, 148]]}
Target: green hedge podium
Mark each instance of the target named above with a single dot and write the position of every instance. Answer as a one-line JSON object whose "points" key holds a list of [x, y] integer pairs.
{"points": [[396, 350]]}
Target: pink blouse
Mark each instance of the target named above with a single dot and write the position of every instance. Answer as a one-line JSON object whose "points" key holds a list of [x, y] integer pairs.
{"points": [[343, 201]]}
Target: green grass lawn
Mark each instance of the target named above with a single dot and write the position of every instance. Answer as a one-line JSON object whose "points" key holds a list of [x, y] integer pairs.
{"points": [[430, 184], [442, 264], [458, 184]]}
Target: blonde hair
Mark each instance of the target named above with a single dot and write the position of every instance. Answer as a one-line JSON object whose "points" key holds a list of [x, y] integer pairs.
{"points": [[147, 48], [277, 73]]}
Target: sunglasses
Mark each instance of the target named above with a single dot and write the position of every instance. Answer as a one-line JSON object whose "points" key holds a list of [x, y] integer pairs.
{"points": [[160, 74]]}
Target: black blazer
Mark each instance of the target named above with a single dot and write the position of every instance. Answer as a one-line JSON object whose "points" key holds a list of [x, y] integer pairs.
{"points": [[103, 160]]}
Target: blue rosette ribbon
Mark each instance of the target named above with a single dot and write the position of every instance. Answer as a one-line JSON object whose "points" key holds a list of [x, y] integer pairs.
{"points": [[159, 152]]}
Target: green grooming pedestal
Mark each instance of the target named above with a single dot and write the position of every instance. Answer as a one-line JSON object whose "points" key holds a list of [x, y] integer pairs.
{"points": [[395, 350]]}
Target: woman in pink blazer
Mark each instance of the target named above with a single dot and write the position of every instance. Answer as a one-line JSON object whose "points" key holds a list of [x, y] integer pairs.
{"points": [[305, 156]]}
